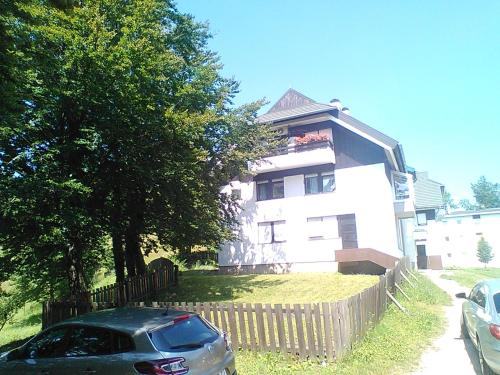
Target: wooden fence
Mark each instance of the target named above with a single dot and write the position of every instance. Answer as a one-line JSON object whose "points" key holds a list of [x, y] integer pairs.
{"points": [[138, 287], [324, 330], [133, 289]]}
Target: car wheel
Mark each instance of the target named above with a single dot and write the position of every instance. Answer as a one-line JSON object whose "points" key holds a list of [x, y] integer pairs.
{"points": [[463, 327], [485, 369]]}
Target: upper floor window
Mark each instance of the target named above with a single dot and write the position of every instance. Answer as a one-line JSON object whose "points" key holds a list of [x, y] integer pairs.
{"points": [[270, 189], [272, 232], [319, 182]]}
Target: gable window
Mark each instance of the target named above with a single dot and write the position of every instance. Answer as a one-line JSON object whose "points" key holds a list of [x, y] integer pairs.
{"points": [[272, 232], [322, 228], [316, 183], [270, 189]]}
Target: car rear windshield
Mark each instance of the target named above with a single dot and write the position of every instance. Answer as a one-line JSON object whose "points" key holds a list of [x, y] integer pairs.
{"points": [[496, 299], [186, 334]]}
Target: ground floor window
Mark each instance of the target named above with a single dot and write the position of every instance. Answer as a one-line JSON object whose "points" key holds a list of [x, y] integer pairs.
{"points": [[322, 227], [272, 232]]}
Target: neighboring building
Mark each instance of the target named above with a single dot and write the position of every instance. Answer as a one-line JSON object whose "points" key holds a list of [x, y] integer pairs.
{"points": [[430, 206], [459, 233], [339, 184]]}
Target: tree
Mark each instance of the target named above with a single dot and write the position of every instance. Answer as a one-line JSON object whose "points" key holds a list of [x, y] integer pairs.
{"points": [[123, 128], [484, 251], [448, 201], [486, 195]]}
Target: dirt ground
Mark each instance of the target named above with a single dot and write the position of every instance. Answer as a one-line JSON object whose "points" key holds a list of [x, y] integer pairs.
{"points": [[450, 353]]}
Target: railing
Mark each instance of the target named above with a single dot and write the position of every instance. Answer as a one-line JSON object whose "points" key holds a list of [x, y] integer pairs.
{"points": [[290, 148]]}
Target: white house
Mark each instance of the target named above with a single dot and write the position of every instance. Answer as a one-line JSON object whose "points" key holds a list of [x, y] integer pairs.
{"points": [[458, 233], [338, 196]]}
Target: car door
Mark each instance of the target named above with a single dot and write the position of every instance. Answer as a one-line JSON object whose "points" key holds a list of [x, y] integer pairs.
{"points": [[39, 355], [95, 350], [476, 315]]}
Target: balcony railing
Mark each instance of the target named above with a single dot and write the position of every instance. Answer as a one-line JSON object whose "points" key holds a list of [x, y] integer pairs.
{"points": [[294, 147]]}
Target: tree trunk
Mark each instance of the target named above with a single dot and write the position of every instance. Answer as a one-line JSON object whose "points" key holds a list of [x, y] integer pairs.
{"points": [[119, 257], [76, 279]]}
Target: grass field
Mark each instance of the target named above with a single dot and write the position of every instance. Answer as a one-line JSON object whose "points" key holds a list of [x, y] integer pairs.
{"points": [[392, 347], [201, 286], [468, 277]]}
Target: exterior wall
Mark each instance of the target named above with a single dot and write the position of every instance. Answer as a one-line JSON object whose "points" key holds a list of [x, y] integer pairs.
{"points": [[364, 191], [455, 238]]}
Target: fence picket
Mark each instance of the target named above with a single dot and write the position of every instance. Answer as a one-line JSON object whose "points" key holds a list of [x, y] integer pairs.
{"points": [[297, 312], [242, 326], [270, 327]]}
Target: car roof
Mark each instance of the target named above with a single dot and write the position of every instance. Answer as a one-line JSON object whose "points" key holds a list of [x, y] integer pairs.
{"points": [[130, 320]]}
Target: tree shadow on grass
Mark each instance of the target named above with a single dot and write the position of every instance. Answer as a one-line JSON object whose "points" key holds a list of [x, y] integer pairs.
{"points": [[203, 286]]}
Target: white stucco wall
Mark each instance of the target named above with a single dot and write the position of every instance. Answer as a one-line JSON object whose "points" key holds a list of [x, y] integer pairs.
{"points": [[364, 191], [456, 238]]}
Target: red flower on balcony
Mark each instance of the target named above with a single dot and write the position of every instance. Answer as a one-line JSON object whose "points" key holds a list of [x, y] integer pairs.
{"points": [[311, 138]]}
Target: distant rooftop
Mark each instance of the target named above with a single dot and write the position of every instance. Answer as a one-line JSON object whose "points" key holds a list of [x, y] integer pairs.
{"points": [[487, 211]]}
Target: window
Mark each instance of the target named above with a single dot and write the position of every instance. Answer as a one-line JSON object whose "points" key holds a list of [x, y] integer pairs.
{"points": [[322, 228], [422, 218], [496, 299], [236, 193], [476, 217], [272, 189], [48, 345], [89, 341], [319, 182], [272, 232], [184, 334]]}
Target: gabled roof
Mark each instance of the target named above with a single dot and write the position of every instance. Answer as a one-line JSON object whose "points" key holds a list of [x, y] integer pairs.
{"points": [[290, 99], [293, 105]]}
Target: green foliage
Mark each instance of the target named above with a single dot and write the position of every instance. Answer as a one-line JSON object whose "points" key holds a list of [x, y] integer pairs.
{"points": [[486, 194], [484, 251], [468, 277], [116, 123], [393, 346], [9, 304]]}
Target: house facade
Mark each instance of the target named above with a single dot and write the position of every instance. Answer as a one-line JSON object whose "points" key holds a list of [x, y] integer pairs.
{"points": [[430, 208], [458, 233], [337, 185]]}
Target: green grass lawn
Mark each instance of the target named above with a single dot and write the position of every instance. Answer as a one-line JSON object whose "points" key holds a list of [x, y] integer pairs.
{"points": [[201, 286], [392, 347], [26, 323], [468, 277]]}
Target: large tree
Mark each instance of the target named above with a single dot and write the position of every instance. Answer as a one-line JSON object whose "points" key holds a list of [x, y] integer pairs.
{"points": [[486, 195], [126, 129]]}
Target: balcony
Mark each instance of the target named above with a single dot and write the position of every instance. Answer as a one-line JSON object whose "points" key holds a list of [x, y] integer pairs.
{"points": [[404, 195], [296, 155]]}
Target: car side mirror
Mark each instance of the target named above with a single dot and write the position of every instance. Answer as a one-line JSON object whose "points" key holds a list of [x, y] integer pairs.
{"points": [[461, 295]]}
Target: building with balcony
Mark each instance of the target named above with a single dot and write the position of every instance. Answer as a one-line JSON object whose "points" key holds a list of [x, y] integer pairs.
{"points": [[337, 197]]}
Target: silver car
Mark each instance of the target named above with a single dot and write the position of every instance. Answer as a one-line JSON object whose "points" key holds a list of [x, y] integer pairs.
{"points": [[481, 322], [125, 341]]}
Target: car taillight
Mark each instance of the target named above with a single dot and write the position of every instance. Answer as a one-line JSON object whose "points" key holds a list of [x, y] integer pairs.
{"points": [[171, 366], [495, 331], [227, 342]]}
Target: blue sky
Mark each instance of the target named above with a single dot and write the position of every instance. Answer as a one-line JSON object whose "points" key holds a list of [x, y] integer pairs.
{"points": [[426, 73]]}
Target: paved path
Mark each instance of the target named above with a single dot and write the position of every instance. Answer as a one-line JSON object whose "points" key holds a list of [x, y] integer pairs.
{"points": [[449, 354]]}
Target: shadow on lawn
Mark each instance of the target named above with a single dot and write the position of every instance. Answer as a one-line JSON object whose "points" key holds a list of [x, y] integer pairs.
{"points": [[203, 286]]}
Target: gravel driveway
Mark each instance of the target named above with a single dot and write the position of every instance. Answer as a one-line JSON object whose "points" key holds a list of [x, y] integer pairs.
{"points": [[449, 354]]}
